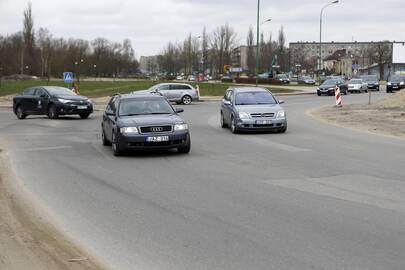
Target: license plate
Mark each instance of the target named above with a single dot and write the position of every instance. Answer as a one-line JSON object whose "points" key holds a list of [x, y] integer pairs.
{"points": [[82, 107], [263, 122], [157, 139]]}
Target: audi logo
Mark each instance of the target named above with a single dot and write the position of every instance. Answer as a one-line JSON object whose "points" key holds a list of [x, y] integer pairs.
{"points": [[156, 129]]}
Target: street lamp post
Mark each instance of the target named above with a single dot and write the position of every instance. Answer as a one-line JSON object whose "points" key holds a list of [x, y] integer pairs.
{"points": [[258, 41], [320, 33]]}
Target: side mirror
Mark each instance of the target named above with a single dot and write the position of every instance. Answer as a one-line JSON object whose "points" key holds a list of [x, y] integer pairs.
{"points": [[281, 101], [110, 113], [226, 102], [179, 110]]}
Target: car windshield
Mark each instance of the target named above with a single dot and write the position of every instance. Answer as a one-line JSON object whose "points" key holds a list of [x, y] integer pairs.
{"points": [[397, 78], [369, 78], [253, 98], [61, 91], [331, 82], [147, 106], [355, 81]]}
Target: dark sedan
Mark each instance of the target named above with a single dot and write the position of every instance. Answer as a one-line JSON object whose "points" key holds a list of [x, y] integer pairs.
{"points": [[395, 83], [52, 101], [372, 81], [139, 122], [328, 87]]}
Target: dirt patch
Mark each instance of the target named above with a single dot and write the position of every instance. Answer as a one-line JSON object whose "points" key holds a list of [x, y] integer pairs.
{"points": [[386, 117], [27, 240]]}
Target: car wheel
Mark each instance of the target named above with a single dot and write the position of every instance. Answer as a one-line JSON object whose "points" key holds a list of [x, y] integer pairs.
{"points": [[282, 130], [223, 124], [318, 93], [185, 149], [234, 130], [52, 112], [84, 115], [115, 146], [186, 100], [20, 113], [104, 139]]}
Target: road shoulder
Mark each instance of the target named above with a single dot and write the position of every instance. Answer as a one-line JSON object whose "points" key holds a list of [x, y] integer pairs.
{"points": [[27, 239], [386, 117]]}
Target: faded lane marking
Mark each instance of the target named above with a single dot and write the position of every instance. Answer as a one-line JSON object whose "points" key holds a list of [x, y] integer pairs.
{"points": [[44, 148], [365, 189]]}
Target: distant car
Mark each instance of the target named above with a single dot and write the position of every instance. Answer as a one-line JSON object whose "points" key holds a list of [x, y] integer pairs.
{"points": [[357, 85], [306, 80], [283, 78], [252, 108], [179, 78], [265, 75], [139, 122], [373, 83], [175, 92], [191, 78], [52, 101], [395, 83], [328, 87]]}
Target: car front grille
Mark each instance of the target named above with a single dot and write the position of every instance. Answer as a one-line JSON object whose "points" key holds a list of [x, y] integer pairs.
{"points": [[262, 115], [156, 129]]}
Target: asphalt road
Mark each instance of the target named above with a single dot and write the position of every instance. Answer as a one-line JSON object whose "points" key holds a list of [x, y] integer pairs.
{"points": [[317, 197]]}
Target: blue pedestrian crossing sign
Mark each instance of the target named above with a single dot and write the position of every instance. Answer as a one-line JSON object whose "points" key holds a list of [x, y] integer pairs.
{"points": [[68, 77]]}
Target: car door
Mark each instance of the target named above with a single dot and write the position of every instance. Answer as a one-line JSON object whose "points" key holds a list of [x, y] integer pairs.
{"points": [[40, 101], [176, 92], [109, 118], [227, 106], [26, 101], [164, 90]]}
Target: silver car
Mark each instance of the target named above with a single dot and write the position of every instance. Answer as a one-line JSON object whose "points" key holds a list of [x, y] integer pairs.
{"points": [[175, 92], [252, 108], [357, 85]]}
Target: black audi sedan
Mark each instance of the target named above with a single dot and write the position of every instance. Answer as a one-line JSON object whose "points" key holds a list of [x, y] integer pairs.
{"points": [[52, 101], [143, 121], [328, 87]]}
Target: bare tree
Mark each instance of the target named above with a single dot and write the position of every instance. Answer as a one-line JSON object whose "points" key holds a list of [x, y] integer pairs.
{"points": [[29, 39], [251, 59], [381, 53]]}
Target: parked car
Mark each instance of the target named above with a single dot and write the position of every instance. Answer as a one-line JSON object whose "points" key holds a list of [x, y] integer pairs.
{"points": [[372, 81], [357, 85], [252, 108], [139, 122], [175, 92], [395, 83], [328, 87], [283, 78], [52, 101], [179, 78], [306, 80], [191, 78]]}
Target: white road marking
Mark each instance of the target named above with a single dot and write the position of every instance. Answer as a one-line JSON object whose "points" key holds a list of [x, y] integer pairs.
{"points": [[44, 148], [383, 193]]}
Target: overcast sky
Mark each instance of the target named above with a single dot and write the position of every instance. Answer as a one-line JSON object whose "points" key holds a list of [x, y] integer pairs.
{"points": [[150, 24]]}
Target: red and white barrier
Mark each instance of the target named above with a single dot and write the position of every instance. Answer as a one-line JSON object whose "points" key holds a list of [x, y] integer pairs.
{"points": [[338, 97]]}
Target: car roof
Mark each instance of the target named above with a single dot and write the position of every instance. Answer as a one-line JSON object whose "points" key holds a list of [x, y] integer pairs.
{"points": [[248, 89], [173, 83], [141, 96]]}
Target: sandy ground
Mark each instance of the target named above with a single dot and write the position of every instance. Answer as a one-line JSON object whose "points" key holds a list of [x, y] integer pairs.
{"points": [[27, 240], [386, 117]]}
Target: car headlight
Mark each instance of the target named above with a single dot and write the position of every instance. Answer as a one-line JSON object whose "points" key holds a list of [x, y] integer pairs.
{"points": [[129, 130], [389, 83], [244, 115], [178, 127], [62, 100], [401, 83], [280, 114], [331, 88]]}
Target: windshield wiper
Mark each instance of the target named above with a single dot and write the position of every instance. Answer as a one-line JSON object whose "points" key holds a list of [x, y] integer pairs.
{"points": [[130, 114]]}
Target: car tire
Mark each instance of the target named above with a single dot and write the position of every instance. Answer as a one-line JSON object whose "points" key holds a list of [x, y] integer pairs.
{"points": [[318, 93], [20, 113], [223, 124], [104, 139], [115, 146], [52, 112], [84, 115], [282, 130], [234, 129], [185, 149], [186, 100]]}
